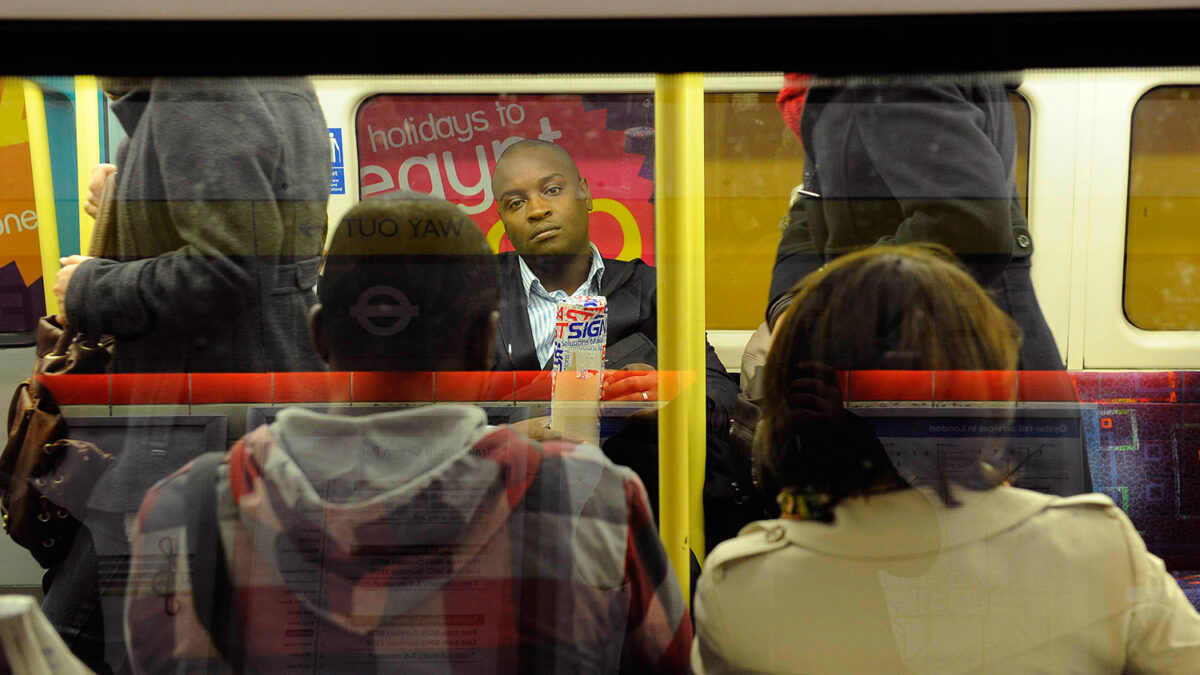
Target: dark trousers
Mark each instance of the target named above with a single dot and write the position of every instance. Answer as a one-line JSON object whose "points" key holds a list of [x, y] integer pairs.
{"points": [[85, 594]]}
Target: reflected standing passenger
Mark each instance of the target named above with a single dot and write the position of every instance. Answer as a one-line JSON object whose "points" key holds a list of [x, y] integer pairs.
{"points": [[884, 565], [414, 541], [913, 161], [221, 191]]}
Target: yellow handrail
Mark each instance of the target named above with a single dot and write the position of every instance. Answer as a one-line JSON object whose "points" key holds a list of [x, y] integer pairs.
{"points": [[679, 227], [87, 148], [43, 189]]}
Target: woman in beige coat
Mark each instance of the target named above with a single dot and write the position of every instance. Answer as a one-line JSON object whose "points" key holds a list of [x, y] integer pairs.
{"points": [[881, 564]]}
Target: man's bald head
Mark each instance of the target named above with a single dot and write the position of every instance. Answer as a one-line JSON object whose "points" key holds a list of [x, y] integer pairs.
{"points": [[543, 202], [409, 283], [533, 145]]}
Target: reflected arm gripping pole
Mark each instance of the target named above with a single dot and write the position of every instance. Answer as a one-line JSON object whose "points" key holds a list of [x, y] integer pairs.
{"points": [[679, 227], [43, 190], [87, 148]]}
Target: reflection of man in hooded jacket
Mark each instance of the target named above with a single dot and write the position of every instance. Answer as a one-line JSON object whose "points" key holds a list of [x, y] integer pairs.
{"points": [[418, 540], [923, 161]]}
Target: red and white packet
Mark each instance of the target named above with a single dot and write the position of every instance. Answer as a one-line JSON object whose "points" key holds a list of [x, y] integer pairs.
{"points": [[577, 365]]}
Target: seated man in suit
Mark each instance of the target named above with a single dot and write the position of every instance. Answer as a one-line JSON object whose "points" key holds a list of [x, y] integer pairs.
{"points": [[544, 204], [418, 540]]}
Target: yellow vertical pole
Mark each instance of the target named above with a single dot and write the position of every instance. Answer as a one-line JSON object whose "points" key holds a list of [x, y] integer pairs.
{"points": [[43, 189], [87, 148], [679, 228]]}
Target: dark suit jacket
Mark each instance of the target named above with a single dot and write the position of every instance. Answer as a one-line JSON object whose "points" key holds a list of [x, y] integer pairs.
{"points": [[632, 292]]}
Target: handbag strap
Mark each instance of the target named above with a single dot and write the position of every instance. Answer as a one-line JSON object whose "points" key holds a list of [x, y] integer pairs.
{"points": [[69, 333]]}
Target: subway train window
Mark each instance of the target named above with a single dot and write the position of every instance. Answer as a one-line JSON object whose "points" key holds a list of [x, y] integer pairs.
{"points": [[1162, 251], [753, 162], [603, 372], [447, 146]]}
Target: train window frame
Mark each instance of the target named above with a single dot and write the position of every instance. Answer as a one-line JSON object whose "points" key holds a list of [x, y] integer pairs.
{"points": [[1101, 335], [1158, 321]]}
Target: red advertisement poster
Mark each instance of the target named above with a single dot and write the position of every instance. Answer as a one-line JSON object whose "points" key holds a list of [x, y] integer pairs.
{"points": [[22, 301], [448, 145]]}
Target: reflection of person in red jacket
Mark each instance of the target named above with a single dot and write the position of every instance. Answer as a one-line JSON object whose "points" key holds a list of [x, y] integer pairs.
{"points": [[791, 100]]}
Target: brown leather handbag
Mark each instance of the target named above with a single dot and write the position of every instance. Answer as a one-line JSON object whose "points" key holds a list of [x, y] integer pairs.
{"points": [[45, 477]]}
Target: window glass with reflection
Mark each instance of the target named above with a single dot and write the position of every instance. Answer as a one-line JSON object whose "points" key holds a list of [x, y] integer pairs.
{"points": [[475, 464], [1162, 249]]}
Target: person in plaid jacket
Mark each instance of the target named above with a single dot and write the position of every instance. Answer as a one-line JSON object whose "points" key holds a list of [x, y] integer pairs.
{"points": [[423, 540]]}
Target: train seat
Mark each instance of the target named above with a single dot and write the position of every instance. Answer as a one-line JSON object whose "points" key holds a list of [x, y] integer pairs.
{"points": [[1143, 444], [1189, 581]]}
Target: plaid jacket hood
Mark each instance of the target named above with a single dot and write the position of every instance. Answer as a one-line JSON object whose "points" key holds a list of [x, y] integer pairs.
{"points": [[374, 487], [422, 535]]}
